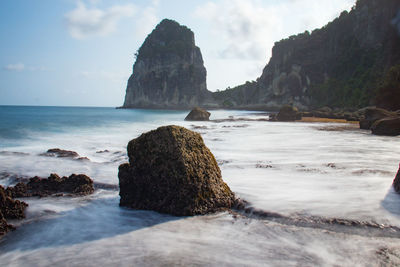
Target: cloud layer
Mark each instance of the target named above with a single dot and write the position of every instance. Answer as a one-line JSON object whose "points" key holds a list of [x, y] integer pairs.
{"points": [[83, 22], [248, 29]]}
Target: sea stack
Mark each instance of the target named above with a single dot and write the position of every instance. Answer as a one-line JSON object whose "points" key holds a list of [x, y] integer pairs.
{"points": [[170, 170], [169, 72]]}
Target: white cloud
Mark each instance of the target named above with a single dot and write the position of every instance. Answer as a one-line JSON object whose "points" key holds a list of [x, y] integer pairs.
{"points": [[15, 67], [86, 22], [147, 20], [248, 29]]}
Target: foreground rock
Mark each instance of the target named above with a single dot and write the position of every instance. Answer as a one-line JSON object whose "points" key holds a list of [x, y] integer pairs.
{"points": [[198, 114], [372, 115], [9, 209], [387, 126], [170, 170], [74, 184], [288, 113]]}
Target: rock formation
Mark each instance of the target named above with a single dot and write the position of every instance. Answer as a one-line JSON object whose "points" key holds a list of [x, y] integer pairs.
{"points": [[339, 65], [198, 114], [169, 71], [170, 170]]}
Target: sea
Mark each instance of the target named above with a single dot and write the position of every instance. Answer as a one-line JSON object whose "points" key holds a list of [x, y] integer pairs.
{"points": [[317, 194]]}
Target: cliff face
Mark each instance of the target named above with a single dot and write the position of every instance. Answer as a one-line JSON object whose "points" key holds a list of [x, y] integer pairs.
{"points": [[339, 65], [169, 71]]}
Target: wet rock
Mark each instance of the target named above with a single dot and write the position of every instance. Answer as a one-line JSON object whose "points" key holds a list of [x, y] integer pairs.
{"points": [[396, 181], [61, 153], [288, 113], [198, 114], [10, 208], [387, 126], [74, 184], [371, 115], [4, 226], [170, 170]]}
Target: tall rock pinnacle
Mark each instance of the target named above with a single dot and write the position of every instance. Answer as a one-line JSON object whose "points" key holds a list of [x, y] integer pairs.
{"points": [[169, 71]]}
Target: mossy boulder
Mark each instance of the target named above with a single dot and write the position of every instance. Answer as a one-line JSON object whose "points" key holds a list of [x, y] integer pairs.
{"points": [[198, 114], [288, 113], [170, 170]]}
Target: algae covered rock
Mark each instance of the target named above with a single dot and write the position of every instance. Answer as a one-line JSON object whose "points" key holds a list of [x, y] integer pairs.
{"points": [[372, 114], [170, 170], [198, 114]]}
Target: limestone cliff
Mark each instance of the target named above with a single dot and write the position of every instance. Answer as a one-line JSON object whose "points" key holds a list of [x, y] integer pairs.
{"points": [[339, 65], [169, 71]]}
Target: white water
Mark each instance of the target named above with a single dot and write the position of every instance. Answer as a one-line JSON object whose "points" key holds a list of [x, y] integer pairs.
{"points": [[297, 178]]}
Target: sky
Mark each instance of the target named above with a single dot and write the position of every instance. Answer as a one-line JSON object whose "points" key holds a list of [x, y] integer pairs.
{"points": [[81, 52]]}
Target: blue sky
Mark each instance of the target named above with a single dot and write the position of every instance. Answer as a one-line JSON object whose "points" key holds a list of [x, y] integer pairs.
{"points": [[80, 52]]}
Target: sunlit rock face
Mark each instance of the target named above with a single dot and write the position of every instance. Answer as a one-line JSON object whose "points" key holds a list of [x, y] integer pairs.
{"points": [[338, 65], [169, 71]]}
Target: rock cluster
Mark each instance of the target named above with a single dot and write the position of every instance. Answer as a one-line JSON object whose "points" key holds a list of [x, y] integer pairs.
{"points": [[198, 114], [170, 170], [381, 121], [14, 209], [61, 153], [74, 184]]}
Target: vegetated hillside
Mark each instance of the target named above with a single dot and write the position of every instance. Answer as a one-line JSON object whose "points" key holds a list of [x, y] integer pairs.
{"points": [[340, 65]]}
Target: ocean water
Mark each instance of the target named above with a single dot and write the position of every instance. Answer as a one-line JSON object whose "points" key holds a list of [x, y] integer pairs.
{"points": [[308, 173]]}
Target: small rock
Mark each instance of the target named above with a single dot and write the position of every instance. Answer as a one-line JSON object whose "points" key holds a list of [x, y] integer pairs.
{"points": [[198, 114], [387, 126], [288, 113], [61, 153], [396, 181]]}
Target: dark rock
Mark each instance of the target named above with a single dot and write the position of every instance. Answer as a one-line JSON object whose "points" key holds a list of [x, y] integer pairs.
{"points": [[288, 113], [371, 115], [169, 71], [10, 208], [396, 181], [387, 126], [198, 114], [61, 153], [170, 170], [4, 226], [74, 184]]}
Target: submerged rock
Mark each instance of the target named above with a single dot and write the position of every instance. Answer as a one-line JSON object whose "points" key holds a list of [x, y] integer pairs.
{"points": [[61, 153], [387, 126], [74, 184], [198, 114], [170, 170], [288, 113]]}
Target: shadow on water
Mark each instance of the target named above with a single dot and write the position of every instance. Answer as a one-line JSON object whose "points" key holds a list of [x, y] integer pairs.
{"points": [[101, 218], [391, 202]]}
